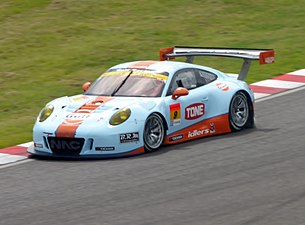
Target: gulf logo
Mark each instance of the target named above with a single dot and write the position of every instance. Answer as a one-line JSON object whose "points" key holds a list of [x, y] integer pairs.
{"points": [[74, 120], [194, 111], [222, 86]]}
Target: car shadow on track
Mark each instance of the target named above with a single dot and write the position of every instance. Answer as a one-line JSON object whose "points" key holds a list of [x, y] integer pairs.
{"points": [[220, 137], [188, 144]]}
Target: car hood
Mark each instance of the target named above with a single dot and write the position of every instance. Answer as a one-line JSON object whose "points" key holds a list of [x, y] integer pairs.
{"points": [[84, 107]]}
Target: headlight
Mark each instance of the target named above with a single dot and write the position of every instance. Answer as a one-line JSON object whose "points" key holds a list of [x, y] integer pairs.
{"points": [[46, 112], [120, 116]]}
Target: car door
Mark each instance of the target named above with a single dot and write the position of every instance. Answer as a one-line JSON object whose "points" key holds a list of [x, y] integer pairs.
{"points": [[188, 110]]}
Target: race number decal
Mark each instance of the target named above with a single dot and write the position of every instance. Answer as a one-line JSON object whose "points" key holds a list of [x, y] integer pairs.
{"points": [[175, 114]]}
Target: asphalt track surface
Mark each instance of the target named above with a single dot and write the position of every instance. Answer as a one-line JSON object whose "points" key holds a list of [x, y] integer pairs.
{"points": [[252, 177]]}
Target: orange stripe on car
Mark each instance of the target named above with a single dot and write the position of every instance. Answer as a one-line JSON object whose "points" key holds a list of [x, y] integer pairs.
{"points": [[216, 125], [142, 65], [69, 126]]}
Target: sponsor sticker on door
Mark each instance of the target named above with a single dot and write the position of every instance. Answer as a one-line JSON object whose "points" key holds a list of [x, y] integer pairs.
{"points": [[194, 111]]}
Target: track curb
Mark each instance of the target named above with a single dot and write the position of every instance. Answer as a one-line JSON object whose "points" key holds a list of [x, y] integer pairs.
{"points": [[261, 89]]}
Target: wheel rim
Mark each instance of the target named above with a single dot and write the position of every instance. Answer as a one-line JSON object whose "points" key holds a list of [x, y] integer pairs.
{"points": [[239, 110], [154, 132]]}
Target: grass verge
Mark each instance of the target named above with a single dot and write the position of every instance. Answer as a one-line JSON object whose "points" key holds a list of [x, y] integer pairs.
{"points": [[49, 48]]}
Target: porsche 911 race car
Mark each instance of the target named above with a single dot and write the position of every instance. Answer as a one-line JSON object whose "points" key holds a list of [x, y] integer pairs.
{"points": [[135, 107]]}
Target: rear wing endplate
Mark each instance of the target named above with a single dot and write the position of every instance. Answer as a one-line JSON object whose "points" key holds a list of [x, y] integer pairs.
{"points": [[265, 56]]}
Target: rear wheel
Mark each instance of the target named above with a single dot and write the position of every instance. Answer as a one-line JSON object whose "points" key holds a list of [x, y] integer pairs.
{"points": [[154, 133], [240, 113]]}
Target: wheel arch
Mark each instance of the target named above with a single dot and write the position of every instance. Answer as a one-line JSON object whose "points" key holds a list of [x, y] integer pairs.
{"points": [[251, 122], [163, 119], [249, 101]]}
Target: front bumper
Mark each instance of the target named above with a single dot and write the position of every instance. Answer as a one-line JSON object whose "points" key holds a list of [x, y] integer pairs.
{"points": [[89, 142], [134, 152]]}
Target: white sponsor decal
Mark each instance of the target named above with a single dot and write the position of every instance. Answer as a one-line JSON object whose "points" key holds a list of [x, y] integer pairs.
{"points": [[212, 128], [129, 137], [38, 145], [195, 133], [78, 116], [105, 149], [176, 138], [175, 122], [269, 60]]}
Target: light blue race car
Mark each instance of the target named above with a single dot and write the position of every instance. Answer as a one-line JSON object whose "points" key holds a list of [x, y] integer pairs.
{"points": [[136, 107]]}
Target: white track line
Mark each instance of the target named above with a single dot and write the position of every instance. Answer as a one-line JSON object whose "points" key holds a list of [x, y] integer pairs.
{"points": [[281, 94], [260, 95], [279, 84], [26, 160], [298, 72], [26, 145], [7, 158]]}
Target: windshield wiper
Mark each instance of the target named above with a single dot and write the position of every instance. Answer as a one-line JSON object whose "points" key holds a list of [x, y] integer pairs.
{"points": [[119, 87]]}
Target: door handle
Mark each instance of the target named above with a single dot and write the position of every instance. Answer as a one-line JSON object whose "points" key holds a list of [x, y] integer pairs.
{"points": [[205, 99]]}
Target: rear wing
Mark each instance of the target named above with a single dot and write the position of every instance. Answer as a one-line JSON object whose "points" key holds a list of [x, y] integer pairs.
{"points": [[265, 56]]}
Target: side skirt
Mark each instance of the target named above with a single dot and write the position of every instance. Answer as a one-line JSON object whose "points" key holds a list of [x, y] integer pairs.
{"points": [[213, 126]]}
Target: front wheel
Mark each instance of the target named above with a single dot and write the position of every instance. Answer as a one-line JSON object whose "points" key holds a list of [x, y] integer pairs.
{"points": [[240, 113], [154, 133]]}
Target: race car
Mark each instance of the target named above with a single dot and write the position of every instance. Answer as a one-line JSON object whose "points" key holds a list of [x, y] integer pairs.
{"points": [[136, 107]]}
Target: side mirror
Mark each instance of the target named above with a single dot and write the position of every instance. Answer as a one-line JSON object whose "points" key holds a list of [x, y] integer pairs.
{"points": [[86, 86], [180, 91]]}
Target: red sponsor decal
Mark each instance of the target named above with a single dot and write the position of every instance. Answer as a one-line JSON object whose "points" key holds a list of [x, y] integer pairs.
{"points": [[194, 111], [266, 57], [174, 107]]}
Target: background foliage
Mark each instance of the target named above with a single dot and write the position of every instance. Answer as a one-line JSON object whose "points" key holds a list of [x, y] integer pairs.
{"points": [[49, 48]]}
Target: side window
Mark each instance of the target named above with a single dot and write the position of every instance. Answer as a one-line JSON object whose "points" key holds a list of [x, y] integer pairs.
{"points": [[183, 78], [205, 77]]}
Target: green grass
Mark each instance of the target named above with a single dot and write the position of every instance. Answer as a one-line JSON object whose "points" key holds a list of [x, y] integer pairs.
{"points": [[49, 48]]}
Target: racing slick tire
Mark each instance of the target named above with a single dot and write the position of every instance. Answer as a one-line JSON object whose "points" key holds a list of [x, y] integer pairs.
{"points": [[154, 133], [240, 112]]}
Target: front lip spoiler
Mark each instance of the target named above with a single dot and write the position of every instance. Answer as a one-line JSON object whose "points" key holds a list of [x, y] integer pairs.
{"points": [[134, 152]]}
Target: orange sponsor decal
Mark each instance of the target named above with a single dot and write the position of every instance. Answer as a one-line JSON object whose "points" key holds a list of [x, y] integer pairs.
{"points": [[73, 121], [216, 125], [142, 64], [222, 86]]}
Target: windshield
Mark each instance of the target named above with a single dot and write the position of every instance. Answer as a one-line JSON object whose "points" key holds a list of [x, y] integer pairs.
{"points": [[129, 82]]}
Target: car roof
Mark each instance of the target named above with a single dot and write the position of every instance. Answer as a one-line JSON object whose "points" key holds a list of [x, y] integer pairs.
{"points": [[161, 66]]}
